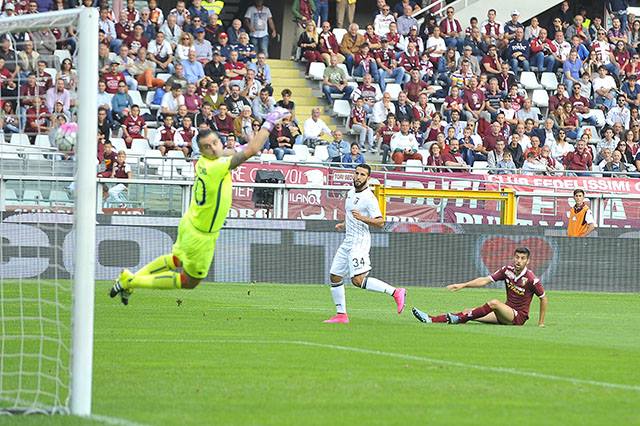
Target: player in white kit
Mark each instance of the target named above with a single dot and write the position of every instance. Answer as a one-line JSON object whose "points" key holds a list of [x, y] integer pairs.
{"points": [[361, 211]]}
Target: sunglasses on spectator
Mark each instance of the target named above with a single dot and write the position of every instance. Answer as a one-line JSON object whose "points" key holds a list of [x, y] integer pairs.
{"points": [[256, 124]]}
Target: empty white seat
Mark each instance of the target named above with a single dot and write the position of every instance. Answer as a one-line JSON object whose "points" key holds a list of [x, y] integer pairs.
{"points": [[540, 98], [341, 108], [394, 90], [321, 153], [149, 99], [344, 68], [43, 141], [10, 196], [529, 80], [58, 197], [339, 33], [478, 166], [33, 195], [5, 154], [51, 71], [291, 158], [413, 166], [164, 76], [267, 157], [118, 144], [19, 139], [188, 171], [316, 70], [302, 151], [425, 155], [136, 97], [549, 81], [175, 154], [61, 55], [139, 146]]}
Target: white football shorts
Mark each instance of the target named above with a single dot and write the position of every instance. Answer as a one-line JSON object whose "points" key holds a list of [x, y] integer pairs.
{"points": [[351, 260]]}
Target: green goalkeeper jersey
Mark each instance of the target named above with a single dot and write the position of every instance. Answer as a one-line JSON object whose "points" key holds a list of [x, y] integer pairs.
{"points": [[211, 195]]}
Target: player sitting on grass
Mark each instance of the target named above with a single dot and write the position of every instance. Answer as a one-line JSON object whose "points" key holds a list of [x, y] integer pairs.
{"points": [[361, 211], [521, 284], [200, 226]]}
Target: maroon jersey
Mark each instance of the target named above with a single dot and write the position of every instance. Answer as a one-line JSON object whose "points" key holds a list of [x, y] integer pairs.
{"points": [[520, 288], [409, 62], [187, 134], [235, 66], [386, 56], [112, 80], [580, 103], [167, 134], [105, 167], [358, 116], [474, 99], [134, 43], [134, 126], [387, 133], [414, 89], [120, 171]]}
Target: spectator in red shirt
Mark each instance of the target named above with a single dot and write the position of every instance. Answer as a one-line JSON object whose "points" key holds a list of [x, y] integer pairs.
{"points": [[187, 133], [414, 87], [409, 59], [124, 28], [43, 78], [168, 139], [136, 40], [106, 158], [224, 122], [192, 101], [113, 77], [37, 118], [580, 160], [235, 69], [134, 126], [474, 102], [384, 135]]}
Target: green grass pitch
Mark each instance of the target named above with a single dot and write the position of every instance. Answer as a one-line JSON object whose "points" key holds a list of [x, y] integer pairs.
{"points": [[240, 354]]}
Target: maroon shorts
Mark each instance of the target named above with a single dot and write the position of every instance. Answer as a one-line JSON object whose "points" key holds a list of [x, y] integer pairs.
{"points": [[519, 319]]}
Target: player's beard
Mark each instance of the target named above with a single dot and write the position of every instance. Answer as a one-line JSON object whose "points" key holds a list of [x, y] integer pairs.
{"points": [[359, 187]]}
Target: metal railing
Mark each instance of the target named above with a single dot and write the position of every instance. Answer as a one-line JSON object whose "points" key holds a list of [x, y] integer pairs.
{"points": [[281, 200]]}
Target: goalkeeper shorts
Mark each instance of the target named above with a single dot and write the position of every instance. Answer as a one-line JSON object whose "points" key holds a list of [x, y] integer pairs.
{"points": [[195, 249]]}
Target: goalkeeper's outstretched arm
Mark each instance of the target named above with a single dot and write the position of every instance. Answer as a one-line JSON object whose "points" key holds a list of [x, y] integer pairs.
{"points": [[257, 142]]}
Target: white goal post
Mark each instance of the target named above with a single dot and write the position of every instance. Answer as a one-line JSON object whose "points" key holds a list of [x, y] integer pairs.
{"points": [[81, 356]]}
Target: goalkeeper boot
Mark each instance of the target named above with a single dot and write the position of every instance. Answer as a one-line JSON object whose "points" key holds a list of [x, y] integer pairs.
{"points": [[452, 318], [337, 319], [421, 316], [399, 295], [120, 289]]}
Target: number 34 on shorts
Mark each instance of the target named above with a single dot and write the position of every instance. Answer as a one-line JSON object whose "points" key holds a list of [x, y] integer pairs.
{"points": [[350, 262]]}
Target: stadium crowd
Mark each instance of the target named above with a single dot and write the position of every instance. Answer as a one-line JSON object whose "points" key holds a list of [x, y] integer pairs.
{"points": [[446, 94]]}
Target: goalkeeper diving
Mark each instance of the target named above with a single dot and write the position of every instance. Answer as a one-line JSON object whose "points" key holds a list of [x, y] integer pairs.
{"points": [[200, 226]]}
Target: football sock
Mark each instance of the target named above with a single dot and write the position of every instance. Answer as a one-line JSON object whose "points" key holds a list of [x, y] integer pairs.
{"points": [[438, 318], [161, 281], [379, 286], [339, 299], [476, 313], [167, 262]]}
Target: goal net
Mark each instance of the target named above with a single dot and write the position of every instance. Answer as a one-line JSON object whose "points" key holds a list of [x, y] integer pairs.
{"points": [[47, 210]]}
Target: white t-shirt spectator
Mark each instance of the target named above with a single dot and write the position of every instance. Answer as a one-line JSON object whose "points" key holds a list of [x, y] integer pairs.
{"points": [[404, 142], [380, 112], [162, 51], [259, 20], [607, 82], [438, 43], [171, 103], [312, 129]]}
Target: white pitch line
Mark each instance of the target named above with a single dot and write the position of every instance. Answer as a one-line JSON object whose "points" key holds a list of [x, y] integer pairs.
{"points": [[114, 421], [501, 370]]}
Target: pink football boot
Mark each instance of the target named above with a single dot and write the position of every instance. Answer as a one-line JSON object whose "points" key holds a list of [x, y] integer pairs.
{"points": [[338, 319], [399, 296]]}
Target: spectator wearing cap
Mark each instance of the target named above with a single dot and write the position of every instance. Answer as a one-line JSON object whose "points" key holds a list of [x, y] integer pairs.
{"points": [[383, 20], [259, 21], [171, 30], [223, 46], [9, 11], [406, 21], [246, 50], [193, 70], [451, 30], [388, 65], [215, 69], [351, 43], [511, 26], [202, 47], [148, 27]]}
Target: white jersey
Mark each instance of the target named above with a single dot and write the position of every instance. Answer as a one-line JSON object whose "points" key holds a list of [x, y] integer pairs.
{"points": [[357, 232]]}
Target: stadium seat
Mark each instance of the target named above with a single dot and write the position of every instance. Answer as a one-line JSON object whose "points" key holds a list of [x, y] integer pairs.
{"points": [[339, 33], [302, 151], [139, 146], [394, 90], [61, 55], [19, 139], [599, 116], [33, 153], [425, 155], [6, 154], [267, 157], [414, 166], [136, 97], [344, 68], [291, 158], [118, 144], [529, 81], [149, 99], [540, 98], [549, 81], [595, 136], [32, 195], [316, 71], [59, 198], [321, 153], [479, 165], [43, 141], [10, 196], [51, 71], [341, 108], [164, 76], [150, 134]]}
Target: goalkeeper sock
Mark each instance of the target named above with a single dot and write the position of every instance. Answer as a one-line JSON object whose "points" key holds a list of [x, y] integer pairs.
{"points": [[476, 313], [379, 286], [439, 318], [167, 262], [161, 281], [339, 299]]}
